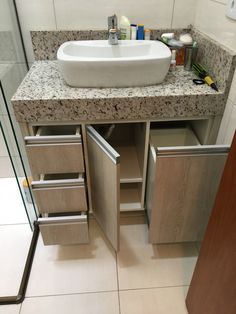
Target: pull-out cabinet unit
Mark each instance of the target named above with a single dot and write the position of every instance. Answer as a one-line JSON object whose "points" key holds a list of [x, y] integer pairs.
{"points": [[55, 149], [182, 181], [55, 155], [60, 193], [64, 229]]}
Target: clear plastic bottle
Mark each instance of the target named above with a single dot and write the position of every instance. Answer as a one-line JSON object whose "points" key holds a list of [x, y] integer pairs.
{"points": [[124, 28]]}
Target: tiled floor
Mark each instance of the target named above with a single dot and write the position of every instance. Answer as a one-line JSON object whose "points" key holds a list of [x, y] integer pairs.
{"points": [[92, 279]]}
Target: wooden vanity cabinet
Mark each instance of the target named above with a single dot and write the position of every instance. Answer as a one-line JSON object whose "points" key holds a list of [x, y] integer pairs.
{"points": [[177, 192], [182, 181]]}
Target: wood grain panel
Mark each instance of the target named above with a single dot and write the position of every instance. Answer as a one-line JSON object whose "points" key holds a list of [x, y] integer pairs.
{"points": [[65, 233], [55, 158], [213, 286], [61, 199], [105, 190], [185, 188]]}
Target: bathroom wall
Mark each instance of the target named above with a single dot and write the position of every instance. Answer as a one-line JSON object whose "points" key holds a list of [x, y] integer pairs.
{"points": [[210, 18], [92, 14]]}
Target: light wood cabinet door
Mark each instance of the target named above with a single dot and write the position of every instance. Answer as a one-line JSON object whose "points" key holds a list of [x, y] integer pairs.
{"points": [[104, 166], [183, 182]]}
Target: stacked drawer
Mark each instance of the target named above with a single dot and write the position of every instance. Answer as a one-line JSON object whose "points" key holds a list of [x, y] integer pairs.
{"points": [[55, 155]]}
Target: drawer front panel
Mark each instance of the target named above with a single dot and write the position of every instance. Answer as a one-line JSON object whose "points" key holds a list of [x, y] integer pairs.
{"points": [[63, 233], [60, 199], [55, 158]]}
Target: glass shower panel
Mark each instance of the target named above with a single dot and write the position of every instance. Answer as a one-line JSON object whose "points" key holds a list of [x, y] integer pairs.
{"points": [[16, 214], [18, 234]]}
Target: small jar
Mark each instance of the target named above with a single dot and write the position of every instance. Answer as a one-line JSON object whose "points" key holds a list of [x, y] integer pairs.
{"points": [[147, 34]]}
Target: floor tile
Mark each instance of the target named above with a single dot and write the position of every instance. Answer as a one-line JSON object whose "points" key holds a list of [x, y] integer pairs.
{"points": [[12, 210], [10, 309], [142, 265], [74, 268], [14, 246], [154, 301], [92, 303]]}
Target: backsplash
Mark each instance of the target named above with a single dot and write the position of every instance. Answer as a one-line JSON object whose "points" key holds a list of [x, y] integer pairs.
{"points": [[219, 60], [46, 43]]}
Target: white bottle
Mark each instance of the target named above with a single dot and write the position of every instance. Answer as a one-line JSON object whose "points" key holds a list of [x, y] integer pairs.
{"points": [[124, 28], [173, 61]]}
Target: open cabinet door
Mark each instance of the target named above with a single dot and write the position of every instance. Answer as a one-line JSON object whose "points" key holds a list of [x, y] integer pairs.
{"points": [[104, 165]]}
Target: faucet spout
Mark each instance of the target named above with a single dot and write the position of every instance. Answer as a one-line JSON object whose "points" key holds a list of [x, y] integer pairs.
{"points": [[112, 29], [113, 37]]}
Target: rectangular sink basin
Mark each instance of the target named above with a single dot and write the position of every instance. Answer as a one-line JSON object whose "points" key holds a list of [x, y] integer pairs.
{"points": [[95, 63]]}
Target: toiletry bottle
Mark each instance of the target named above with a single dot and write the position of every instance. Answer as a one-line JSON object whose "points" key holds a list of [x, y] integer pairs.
{"points": [[195, 51], [124, 28], [173, 60], [188, 55], [133, 31], [140, 32], [147, 34]]}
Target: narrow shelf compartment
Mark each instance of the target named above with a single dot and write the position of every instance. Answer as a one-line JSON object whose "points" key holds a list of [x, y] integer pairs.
{"points": [[129, 165], [128, 139], [130, 197]]}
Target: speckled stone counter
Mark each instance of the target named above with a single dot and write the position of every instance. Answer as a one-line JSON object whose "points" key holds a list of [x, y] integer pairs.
{"points": [[44, 96]]}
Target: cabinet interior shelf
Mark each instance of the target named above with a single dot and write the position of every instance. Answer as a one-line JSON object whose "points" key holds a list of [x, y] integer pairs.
{"points": [[130, 199], [129, 165]]}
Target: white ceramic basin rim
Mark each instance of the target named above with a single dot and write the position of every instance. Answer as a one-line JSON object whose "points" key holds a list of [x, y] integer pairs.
{"points": [[95, 63]]}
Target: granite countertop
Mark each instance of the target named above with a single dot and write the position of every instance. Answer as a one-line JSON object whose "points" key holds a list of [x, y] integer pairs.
{"points": [[44, 96]]}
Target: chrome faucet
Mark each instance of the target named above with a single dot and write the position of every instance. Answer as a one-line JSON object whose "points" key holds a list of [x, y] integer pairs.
{"points": [[112, 29]]}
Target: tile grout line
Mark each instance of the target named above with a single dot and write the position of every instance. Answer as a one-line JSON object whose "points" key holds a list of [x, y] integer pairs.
{"points": [[67, 294], [54, 12], [172, 16], [14, 224], [118, 286], [105, 291], [150, 288]]}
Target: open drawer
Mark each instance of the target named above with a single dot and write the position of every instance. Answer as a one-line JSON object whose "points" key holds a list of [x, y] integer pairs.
{"points": [[64, 230], [183, 178], [55, 149], [57, 193]]}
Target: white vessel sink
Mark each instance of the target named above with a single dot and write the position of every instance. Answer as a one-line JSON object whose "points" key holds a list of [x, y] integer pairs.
{"points": [[95, 63]]}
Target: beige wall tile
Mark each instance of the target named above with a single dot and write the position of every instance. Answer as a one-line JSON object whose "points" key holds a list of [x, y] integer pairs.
{"points": [[35, 15], [231, 127], [225, 122], [211, 19], [84, 14], [184, 13]]}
